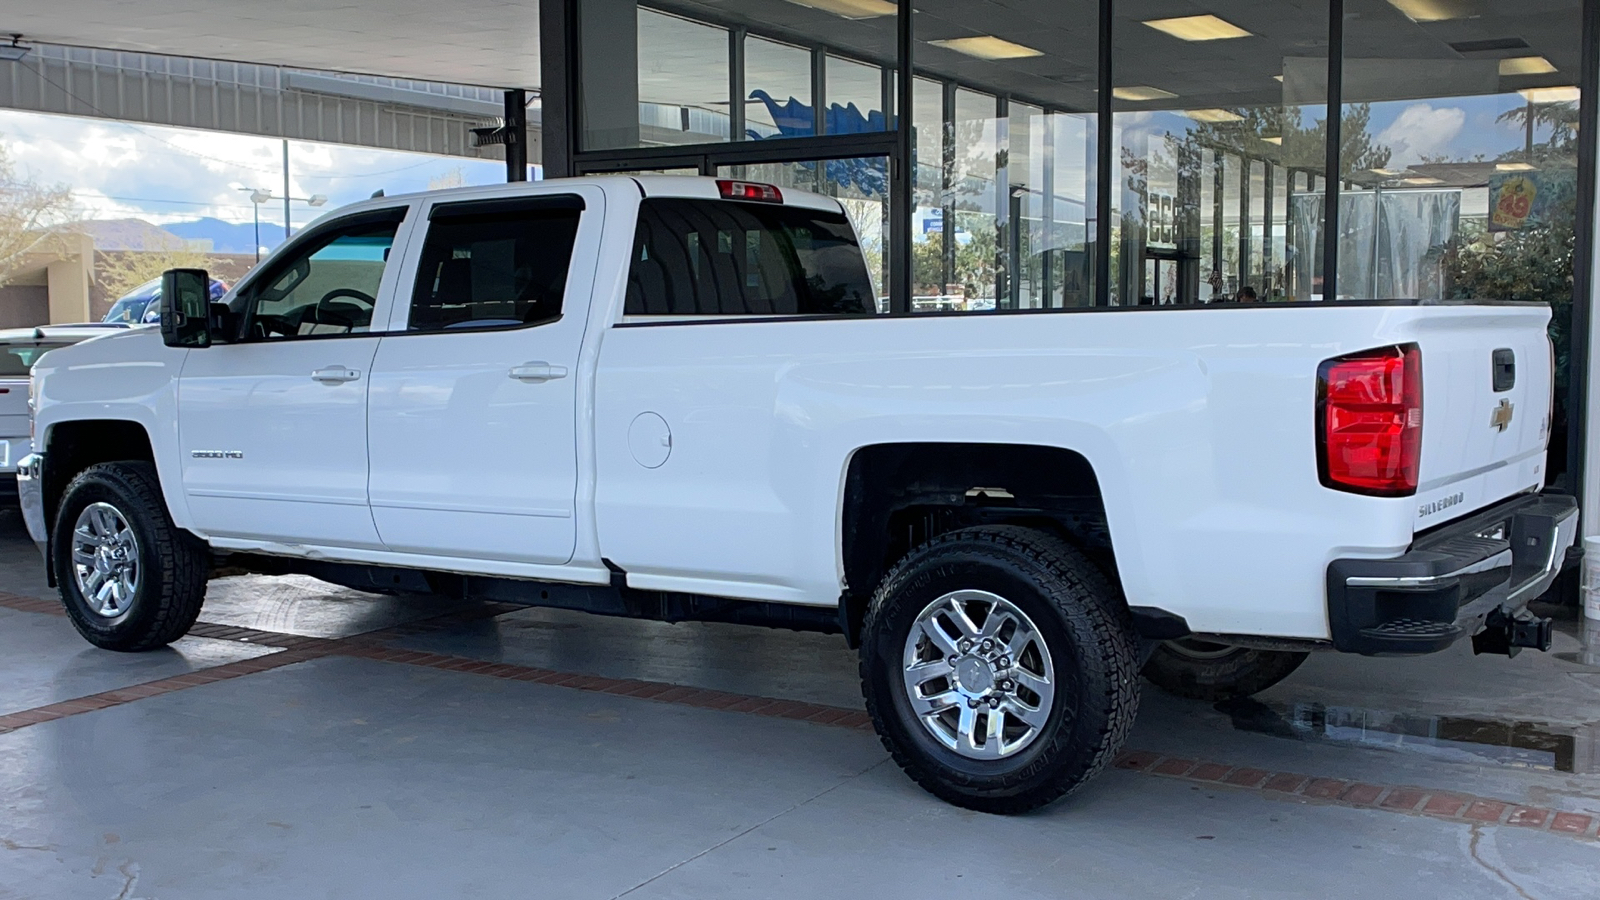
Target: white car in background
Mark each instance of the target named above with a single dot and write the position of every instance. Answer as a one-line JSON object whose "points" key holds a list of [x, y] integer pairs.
{"points": [[20, 348]]}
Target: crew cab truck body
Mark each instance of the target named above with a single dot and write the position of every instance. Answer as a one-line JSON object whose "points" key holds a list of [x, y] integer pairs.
{"points": [[675, 398]]}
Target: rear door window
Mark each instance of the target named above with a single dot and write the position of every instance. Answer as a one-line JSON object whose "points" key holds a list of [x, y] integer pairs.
{"points": [[722, 258], [495, 264]]}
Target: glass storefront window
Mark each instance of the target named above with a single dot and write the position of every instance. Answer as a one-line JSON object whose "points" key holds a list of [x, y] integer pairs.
{"points": [[1460, 168], [777, 85], [1004, 131], [855, 97], [928, 277], [650, 77], [1204, 122]]}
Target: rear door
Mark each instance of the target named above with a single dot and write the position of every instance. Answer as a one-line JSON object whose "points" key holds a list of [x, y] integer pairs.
{"points": [[473, 407]]}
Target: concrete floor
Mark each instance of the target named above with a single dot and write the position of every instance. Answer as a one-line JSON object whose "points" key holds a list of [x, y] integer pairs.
{"points": [[343, 775]]}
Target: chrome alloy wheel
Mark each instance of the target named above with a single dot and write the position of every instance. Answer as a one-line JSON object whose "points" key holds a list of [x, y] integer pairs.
{"points": [[105, 559], [978, 674]]}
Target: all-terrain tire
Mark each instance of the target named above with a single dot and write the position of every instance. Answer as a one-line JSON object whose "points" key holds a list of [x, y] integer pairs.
{"points": [[1214, 672], [1079, 617], [173, 564]]}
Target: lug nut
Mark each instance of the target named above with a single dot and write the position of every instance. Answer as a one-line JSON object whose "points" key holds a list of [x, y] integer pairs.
{"points": [[1003, 662], [952, 661], [994, 702], [1006, 685], [965, 646], [987, 645], [973, 703]]}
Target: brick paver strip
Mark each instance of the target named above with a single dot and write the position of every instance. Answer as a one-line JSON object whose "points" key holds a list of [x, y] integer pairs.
{"points": [[291, 649], [1173, 767], [1485, 811], [1528, 817], [1403, 799], [1362, 794], [1572, 823], [1250, 778]]}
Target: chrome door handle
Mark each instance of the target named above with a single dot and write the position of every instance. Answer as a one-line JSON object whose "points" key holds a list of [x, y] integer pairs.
{"points": [[335, 375], [535, 372]]}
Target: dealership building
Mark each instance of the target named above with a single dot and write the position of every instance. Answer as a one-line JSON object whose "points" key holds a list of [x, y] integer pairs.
{"points": [[995, 155]]}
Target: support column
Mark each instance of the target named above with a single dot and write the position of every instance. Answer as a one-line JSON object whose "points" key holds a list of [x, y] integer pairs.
{"points": [[516, 135], [68, 279]]}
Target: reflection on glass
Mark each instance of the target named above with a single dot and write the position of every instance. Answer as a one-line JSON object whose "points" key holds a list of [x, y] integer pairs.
{"points": [[777, 80], [1460, 170], [1207, 126], [860, 185], [683, 81], [650, 78], [855, 96], [1005, 159]]}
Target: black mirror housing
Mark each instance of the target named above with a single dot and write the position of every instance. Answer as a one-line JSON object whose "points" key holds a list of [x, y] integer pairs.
{"points": [[186, 308]]}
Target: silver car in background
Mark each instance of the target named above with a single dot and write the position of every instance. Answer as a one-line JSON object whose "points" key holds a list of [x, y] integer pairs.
{"points": [[20, 348]]}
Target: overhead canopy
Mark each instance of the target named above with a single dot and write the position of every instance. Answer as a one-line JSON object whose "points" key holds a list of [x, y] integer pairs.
{"points": [[482, 42]]}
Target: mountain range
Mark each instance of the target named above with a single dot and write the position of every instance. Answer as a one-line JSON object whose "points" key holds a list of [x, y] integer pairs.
{"points": [[213, 235]]}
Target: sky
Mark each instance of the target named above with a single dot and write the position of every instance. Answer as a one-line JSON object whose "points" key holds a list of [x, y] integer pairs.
{"points": [[163, 175]]}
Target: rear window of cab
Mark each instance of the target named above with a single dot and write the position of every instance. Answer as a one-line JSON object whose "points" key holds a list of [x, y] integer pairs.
{"points": [[725, 258]]}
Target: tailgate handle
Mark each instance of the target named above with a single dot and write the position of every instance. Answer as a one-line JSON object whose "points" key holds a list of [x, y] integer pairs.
{"points": [[1505, 370]]}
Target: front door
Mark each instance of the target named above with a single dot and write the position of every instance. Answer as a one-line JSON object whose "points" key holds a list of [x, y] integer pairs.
{"points": [[272, 428], [473, 409]]}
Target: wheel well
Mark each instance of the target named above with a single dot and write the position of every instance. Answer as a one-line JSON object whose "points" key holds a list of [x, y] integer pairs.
{"points": [[898, 496], [75, 446]]}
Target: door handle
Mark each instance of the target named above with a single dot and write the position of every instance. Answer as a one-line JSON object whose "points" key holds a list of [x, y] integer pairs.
{"points": [[535, 372], [335, 375]]}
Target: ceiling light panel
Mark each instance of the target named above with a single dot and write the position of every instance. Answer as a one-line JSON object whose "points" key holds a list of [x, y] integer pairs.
{"points": [[851, 9], [1198, 28], [1427, 10], [1526, 65], [1213, 115], [988, 47], [1567, 94], [1138, 92], [1514, 167]]}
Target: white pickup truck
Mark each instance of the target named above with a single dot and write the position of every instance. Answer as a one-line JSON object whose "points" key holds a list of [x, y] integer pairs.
{"points": [[676, 398]]}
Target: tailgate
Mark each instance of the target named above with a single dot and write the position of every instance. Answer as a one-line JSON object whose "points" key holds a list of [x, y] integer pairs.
{"points": [[1482, 441]]}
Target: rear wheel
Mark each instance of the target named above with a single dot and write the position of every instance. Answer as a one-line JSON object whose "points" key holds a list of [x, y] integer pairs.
{"points": [[130, 579], [1202, 670], [999, 668]]}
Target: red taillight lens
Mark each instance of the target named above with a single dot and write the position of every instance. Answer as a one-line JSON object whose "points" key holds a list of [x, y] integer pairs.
{"points": [[1369, 421], [749, 190]]}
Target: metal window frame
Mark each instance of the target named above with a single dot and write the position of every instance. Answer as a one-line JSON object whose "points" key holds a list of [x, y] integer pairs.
{"points": [[562, 111]]}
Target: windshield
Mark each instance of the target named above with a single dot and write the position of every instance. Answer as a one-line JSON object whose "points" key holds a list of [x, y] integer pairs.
{"points": [[19, 358], [131, 306]]}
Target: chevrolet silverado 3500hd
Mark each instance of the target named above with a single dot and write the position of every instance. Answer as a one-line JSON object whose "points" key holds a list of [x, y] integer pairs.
{"points": [[677, 398]]}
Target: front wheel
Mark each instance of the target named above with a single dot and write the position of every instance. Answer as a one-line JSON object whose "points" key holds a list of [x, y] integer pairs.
{"points": [[130, 579], [999, 668], [1202, 670]]}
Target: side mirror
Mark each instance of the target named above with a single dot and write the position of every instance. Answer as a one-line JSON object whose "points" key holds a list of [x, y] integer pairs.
{"points": [[186, 308]]}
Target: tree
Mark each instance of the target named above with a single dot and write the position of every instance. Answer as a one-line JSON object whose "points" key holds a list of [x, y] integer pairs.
{"points": [[123, 271], [33, 217]]}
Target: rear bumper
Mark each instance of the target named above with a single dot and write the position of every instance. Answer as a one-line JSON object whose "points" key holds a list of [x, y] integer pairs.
{"points": [[1451, 579]]}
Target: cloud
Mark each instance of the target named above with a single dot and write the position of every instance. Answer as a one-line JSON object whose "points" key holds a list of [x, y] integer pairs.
{"points": [[1421, 130], [159, 174]]}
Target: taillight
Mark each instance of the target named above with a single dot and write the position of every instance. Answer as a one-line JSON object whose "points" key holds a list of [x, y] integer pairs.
{"points": [[1369, 421], [749, 190]]}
